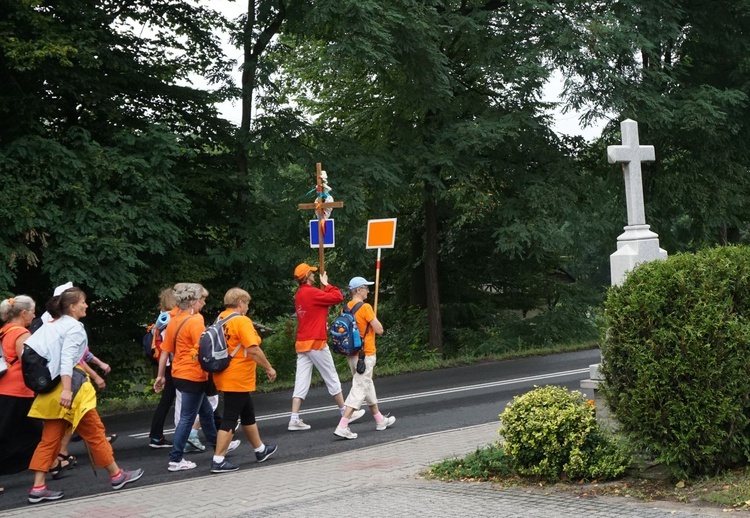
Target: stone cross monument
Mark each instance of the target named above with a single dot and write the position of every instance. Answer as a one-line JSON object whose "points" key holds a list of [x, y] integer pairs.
{"points": [[637, 244]]}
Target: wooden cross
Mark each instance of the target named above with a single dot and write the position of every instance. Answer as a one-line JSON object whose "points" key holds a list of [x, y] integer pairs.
{"points": [[319, 207]]}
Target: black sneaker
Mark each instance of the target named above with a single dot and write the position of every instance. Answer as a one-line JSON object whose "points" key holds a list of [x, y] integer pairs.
{"points": [[223, 467], [160, 443], [45, 494], [262, 456]]}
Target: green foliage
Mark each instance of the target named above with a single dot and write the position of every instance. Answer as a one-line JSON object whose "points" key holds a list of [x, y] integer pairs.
{"points": [[96, 230], [677, 357], [680, 69], [509, 332], [90, 64], [450, 114], [119, 176], [405, 338], [483, 329], [483, 464], [550, 432], [279, 347]]}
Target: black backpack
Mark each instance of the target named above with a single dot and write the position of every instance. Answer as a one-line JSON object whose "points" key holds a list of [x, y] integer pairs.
{"points": [[213, 353], [36, 375]]}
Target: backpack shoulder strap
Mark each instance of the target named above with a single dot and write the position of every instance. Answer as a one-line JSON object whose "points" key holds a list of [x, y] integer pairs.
{"points": [[239, 346], [354, 310], [2, 335], [11, 328], [179, 329], [224, 321]]}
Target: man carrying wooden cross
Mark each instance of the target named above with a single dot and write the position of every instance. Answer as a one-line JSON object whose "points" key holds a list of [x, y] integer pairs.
{"points": [[311, 305]]}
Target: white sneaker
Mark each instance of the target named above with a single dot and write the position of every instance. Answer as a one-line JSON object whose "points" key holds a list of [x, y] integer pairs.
{"points": [[344, 433], [356, 415], [299, 425], [233, 445], [388, 421], [181, 466]]}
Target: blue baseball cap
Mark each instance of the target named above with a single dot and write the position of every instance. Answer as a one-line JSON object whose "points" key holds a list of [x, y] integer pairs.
{"points": [[358, 282]]}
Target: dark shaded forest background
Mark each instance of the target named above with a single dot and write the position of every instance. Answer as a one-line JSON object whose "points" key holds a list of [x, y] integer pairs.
{"points": [[119, 175]]}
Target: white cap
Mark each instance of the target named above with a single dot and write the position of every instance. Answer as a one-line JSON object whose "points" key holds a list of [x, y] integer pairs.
{"points": [[59, 290]]}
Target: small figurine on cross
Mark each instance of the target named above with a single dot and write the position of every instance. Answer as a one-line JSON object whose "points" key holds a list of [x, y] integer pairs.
{"points": [[322, 209]]}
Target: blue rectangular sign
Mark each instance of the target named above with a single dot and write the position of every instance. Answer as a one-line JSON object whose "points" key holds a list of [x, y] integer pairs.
{"points": [[329, 238]]}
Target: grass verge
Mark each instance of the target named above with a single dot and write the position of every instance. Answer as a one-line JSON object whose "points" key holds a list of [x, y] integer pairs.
{"points": [[729, 491]]}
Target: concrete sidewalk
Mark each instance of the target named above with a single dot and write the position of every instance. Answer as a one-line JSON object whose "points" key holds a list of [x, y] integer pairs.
{"points": [[376, 481]]}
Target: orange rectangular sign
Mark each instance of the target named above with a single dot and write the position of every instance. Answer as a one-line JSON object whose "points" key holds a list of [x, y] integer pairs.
{"points": [[381, 233]]}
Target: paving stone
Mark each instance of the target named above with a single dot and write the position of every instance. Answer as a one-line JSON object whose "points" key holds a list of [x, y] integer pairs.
{"points": [[381, 480]]}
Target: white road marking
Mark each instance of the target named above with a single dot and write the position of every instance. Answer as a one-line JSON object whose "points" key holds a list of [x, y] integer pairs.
{"points": [[417, 395]]}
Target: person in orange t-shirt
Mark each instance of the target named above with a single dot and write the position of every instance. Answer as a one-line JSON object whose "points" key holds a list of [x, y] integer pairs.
{"points": [[311, 305], [238, 380], [363, 388], [19, 434], [181, 340]]}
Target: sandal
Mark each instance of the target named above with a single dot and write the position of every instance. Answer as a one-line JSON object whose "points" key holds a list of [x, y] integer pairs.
{"points": [[58, 469], [72, 461]]}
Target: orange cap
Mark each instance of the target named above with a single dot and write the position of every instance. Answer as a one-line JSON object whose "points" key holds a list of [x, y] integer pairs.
{"points": [[302, 270]]}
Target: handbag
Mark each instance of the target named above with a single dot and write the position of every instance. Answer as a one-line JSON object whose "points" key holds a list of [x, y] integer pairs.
{"points": [[36, 375]]}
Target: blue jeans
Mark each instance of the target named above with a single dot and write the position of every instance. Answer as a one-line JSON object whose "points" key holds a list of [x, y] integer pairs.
{"points": [[193, 405]]}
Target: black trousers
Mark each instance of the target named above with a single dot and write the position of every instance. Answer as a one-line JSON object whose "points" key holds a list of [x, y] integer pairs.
{"points": [[237, 405], [19, 434], [165, 404]]}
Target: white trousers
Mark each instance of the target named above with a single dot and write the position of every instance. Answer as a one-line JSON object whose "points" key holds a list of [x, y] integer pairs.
{"points": [[323, 361], [363, 388]]}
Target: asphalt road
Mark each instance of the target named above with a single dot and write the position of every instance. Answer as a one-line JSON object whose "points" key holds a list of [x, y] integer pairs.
{"points": [[422, 403]]}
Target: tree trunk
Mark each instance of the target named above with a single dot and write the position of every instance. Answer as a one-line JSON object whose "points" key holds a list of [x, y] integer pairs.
{"points": [[252, 51], [432, 291], [729, 235], [249, 71], [417, 284]]}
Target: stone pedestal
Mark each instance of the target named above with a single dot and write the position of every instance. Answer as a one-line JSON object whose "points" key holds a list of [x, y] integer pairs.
{"points": [[590, 387], [636, 245]]}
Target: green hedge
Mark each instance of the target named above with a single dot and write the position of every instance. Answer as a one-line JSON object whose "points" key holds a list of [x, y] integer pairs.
{"points": [[677, 359]]}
